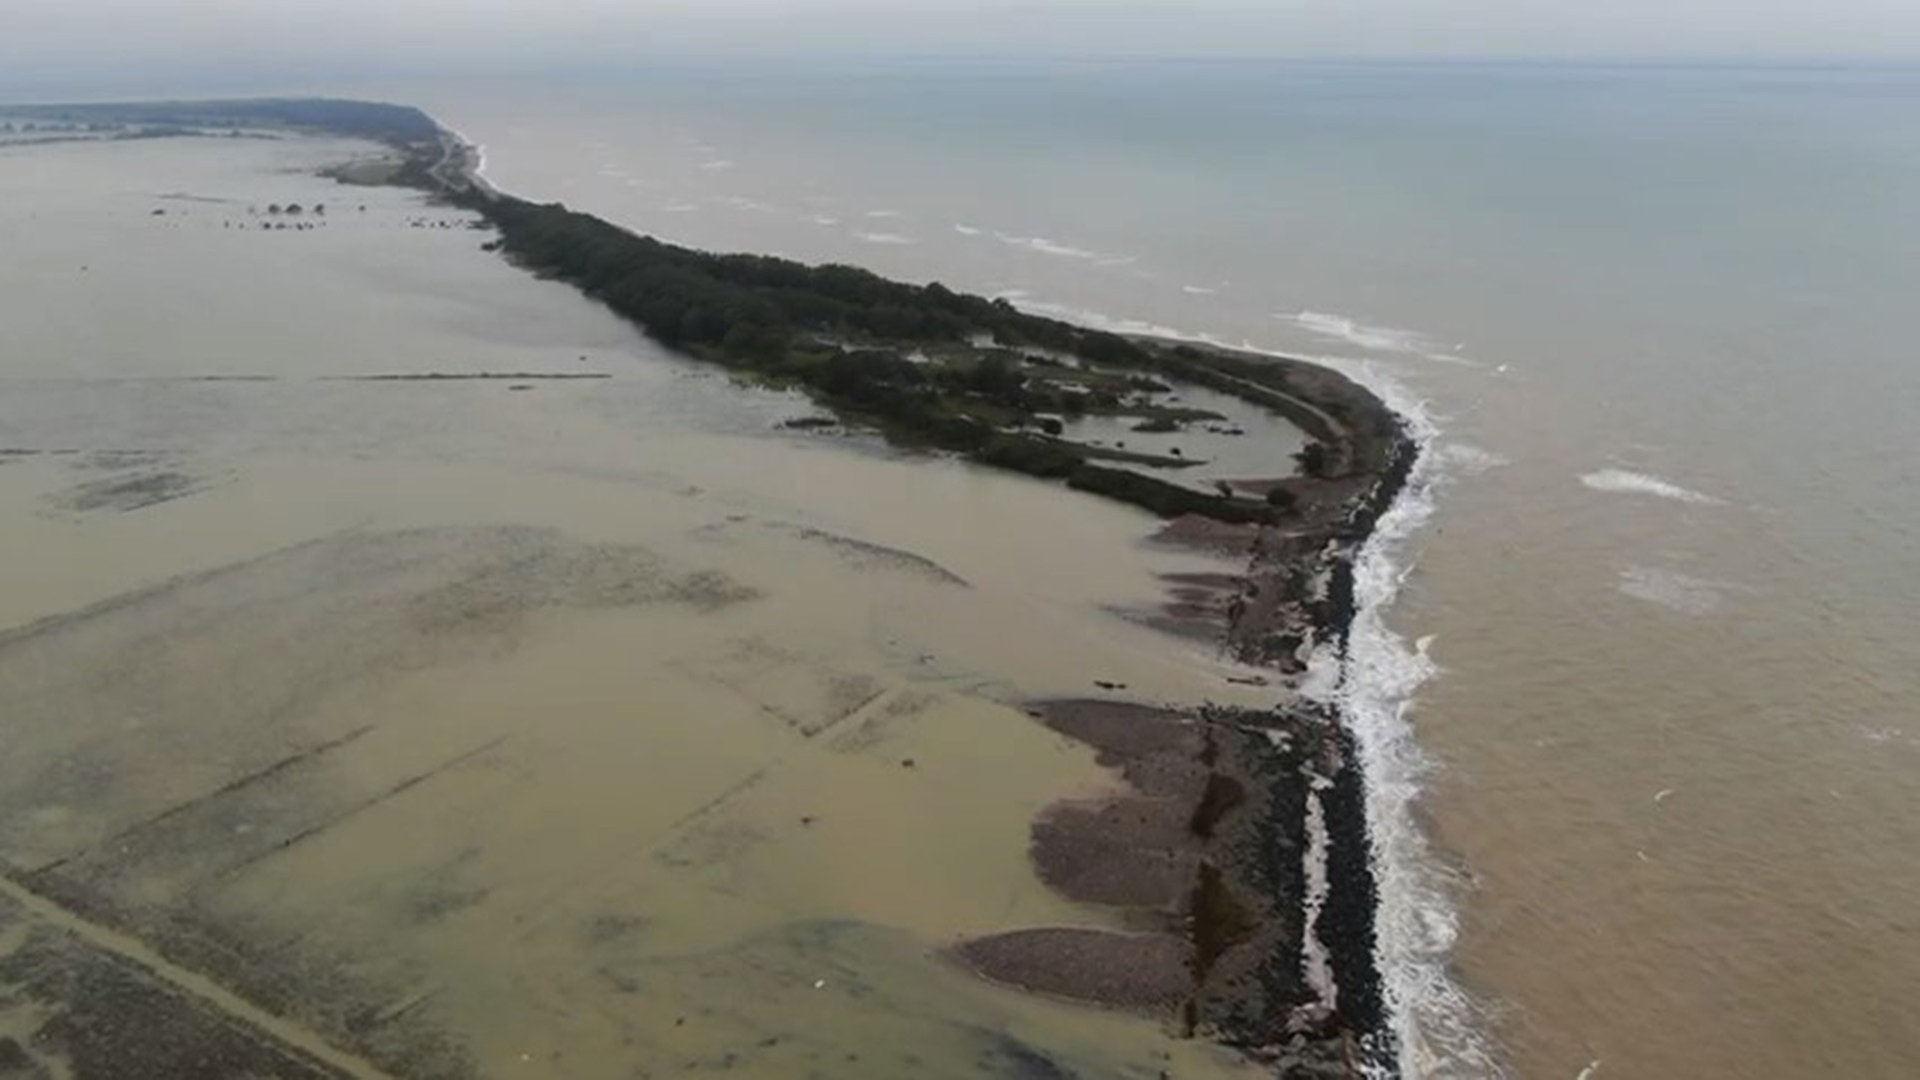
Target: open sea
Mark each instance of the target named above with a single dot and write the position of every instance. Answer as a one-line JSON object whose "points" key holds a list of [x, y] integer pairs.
{"points": [[1644, 692]]}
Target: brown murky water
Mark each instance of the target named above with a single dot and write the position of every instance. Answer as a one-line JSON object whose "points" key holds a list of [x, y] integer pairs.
{"points": [[513, 727]]}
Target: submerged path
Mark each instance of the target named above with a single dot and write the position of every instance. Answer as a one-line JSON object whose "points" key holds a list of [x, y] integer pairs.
{"points": [[272, 1036]]}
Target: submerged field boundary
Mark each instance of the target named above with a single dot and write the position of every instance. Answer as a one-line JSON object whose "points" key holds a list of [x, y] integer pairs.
{"points": [[127, 949]]}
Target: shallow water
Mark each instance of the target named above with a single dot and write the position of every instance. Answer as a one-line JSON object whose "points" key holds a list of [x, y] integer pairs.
{"points": [[556, 730]]}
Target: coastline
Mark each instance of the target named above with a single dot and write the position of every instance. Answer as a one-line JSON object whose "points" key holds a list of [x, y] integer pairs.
{"points": [[1265, 939]]}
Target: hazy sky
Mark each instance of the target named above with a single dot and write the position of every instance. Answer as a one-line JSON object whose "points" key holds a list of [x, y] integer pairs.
{"points": [[66, 40]]}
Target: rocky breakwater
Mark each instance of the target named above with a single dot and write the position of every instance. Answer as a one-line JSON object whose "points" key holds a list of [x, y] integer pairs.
{"points": [[1237, 851]]}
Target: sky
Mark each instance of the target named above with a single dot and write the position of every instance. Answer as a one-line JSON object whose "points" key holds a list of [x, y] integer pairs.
{"points": [[54, 42]]}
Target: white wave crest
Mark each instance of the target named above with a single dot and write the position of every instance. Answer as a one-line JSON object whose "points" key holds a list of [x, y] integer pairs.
{"points": [[966, 230], [1197, 290], [883, 238], [1379, 339], [1675, 591], [1050, 247], [1469, 459], [1024, 301], [1628, 482], [1437, 1026], [1342, 328]]}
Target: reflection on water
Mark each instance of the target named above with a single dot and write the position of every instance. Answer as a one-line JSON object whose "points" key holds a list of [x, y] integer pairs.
{"points": [[502, 728]]}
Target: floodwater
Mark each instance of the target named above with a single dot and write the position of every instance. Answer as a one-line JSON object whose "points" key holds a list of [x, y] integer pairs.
{"points": [[519, 726]]}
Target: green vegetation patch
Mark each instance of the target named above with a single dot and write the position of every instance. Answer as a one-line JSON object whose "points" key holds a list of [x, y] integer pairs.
{"points": [[925, 365]]}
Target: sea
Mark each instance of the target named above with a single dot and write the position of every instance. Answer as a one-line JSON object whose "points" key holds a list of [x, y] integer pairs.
{"points": [[1640, 689]]}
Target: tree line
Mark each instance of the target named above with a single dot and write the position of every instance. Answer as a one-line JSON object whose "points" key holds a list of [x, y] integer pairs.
{"points": [[838, 331]]}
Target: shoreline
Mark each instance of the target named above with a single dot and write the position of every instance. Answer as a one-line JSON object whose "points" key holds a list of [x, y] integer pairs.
{"points": [[1297, 985]]}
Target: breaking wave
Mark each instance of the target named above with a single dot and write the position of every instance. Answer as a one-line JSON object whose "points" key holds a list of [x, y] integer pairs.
{"points": [[1438, 1028], [1628, 482], [1383, 339], [1049, 247], [1675, 591]]}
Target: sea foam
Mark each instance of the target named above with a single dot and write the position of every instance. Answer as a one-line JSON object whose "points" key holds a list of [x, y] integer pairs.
{"points": [[1628, 482], [1024, 301], [1675, 591], [479, 150], [1049, 247], [1469, 460], [1438, 1028], [1343, 328], [1373, 338]]}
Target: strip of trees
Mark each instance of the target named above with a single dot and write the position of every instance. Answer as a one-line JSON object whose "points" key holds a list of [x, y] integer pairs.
{"points": [[792, 322]]}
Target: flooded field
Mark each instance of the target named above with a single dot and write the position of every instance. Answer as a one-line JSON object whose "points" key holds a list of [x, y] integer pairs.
{"points": [[513, 725]]}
